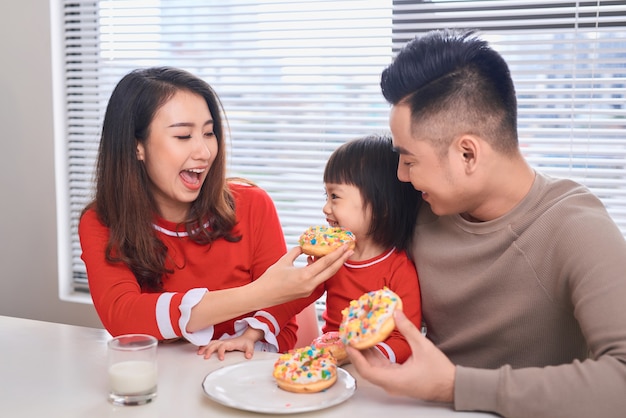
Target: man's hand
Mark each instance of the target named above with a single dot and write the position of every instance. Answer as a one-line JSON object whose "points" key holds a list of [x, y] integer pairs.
{"points": [[428, 374]]}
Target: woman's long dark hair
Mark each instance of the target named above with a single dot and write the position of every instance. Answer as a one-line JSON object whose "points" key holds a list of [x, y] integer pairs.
{"points": [[124, 201]]}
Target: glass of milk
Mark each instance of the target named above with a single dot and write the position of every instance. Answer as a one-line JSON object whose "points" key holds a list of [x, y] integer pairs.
{"points": [[132, 367]]}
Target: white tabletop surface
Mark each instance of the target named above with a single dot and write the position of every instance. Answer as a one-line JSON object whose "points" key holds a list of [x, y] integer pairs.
{"points": [[57, 370]]}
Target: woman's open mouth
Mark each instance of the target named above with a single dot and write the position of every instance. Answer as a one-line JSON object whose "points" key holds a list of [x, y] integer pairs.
{"points": [[192, 177]]}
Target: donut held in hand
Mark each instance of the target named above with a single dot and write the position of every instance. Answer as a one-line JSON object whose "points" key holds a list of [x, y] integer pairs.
{"points": [[331, 341], [368, 320], [319, 241], [305, 370]]}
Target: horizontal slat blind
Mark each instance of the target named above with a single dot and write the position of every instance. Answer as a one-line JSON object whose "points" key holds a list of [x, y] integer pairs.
{"points": [[297, 78], [568, 61]]}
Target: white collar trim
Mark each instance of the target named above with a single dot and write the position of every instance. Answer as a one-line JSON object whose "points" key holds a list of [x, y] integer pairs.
{"points": [[378, 260]]}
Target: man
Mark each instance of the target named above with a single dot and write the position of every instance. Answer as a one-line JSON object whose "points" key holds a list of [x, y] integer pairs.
{"points": [[523, 276]]}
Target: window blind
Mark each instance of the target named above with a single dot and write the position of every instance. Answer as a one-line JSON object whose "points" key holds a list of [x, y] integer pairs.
{"points": [[568, 61], [297, 79]]}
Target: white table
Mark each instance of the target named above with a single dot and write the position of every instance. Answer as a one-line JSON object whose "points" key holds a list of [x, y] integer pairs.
{"points": [[57, 370]]}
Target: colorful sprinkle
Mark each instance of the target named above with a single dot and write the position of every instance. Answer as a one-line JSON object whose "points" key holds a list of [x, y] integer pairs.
{"points": [[305, 365], [326, 236]]}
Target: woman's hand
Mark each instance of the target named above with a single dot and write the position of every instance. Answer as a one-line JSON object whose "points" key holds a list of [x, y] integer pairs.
{"points": [[283, 282], [428, 374], [244, 342]]}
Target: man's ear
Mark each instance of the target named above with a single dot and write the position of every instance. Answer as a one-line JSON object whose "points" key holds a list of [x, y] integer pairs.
{"points": [[140, 151], [469, 150]]}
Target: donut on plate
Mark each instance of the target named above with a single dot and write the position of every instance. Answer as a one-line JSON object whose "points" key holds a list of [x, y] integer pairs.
{"points": [[319, 241], [368, 320], [332, 342], [305, 370]]}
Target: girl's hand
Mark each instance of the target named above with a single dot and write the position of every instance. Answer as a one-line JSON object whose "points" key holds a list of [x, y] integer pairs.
{"points": [[245, 342]]}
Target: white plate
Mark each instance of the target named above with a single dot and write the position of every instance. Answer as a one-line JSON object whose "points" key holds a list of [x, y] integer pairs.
{"points": [[250, 386]]}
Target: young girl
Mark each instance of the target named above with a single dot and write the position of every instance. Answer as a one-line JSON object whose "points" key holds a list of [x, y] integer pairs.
{"points": [[172, 248], [365, 196]]}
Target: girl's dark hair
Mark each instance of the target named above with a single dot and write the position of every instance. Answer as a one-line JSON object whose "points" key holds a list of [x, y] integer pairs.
{"points": [[371, 164], [123, 200]]}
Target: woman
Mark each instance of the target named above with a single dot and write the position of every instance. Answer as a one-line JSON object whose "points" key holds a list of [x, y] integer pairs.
{"points": [[172, 248]]}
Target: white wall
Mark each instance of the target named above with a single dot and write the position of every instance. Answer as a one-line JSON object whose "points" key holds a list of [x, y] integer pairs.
{"points": [[28, 231]]}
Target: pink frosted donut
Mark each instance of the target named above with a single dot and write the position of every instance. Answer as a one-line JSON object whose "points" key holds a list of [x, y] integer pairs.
{"points": [[332, 342]]}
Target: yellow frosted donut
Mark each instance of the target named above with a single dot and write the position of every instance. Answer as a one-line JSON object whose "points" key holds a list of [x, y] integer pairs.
{"points": [[305, 370], [332, 342], [319, 241], [368, 320]]}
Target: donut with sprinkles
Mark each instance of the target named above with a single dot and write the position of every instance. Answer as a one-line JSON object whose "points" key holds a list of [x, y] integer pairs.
{"points": [[368, 320], [305, 370], [331, 341], [319, 241]]}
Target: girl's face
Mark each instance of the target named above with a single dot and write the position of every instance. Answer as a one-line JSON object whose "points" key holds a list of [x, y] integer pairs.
{"points": [[344, 208], [178, 153]]}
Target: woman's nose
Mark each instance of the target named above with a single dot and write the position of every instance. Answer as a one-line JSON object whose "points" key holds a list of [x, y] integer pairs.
{"points": [[201, 149]]}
